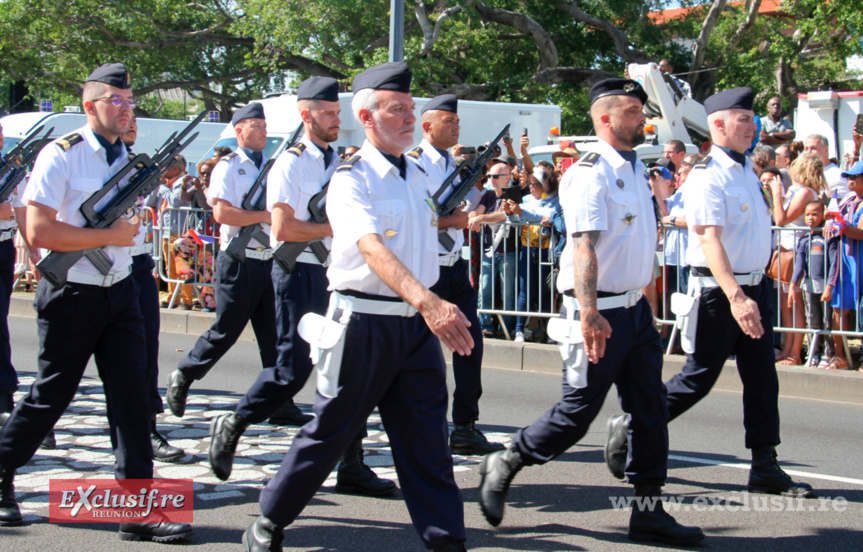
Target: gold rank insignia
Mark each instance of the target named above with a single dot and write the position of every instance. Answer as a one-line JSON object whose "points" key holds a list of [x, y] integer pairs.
{"points": [[241, 171], [390, 234], [744, 207], [619, 183], [628, 218]]}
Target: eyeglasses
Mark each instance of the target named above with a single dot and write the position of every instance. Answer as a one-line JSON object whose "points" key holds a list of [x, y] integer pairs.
{"points": [[685, 164], [497, 175], [117, 101]]}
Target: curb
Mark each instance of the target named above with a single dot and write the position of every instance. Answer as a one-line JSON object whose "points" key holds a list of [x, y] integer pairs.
{"points": [[804, 383]]}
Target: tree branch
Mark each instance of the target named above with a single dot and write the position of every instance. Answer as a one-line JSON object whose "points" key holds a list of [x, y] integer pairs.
{"points": [[578, 76], [699, 49], [754, 6], [622, 46], [548, 56], [430, 35]]}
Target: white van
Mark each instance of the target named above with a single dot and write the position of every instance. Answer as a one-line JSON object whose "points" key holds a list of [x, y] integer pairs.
{"points": [[152, 133], [480, 122]]}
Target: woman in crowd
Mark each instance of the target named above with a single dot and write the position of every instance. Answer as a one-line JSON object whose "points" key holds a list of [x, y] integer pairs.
{"points": [[807, 177]]}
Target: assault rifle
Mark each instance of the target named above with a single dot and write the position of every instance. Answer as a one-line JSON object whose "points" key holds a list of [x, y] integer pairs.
{"points": [[21, 155], [470, 170], [286, 253], [237, 246], [143, 174]]}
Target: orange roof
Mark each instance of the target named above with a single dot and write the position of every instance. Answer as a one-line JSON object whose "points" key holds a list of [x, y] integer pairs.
{"points": [[767, 7]]}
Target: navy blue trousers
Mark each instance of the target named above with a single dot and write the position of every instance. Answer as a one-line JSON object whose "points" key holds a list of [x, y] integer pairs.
{"points": [[148, 301], [396, 364], [8, 376], [717, 336], [454, 286], [76, 322], [632, 362], [298, 293], [244, 292]]}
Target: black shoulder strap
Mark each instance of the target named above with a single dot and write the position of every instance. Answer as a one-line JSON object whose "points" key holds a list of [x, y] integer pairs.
{"points": [[348, 164], [298, 149], [66, 142], [702, 164], [589, 160], [415, 153]]}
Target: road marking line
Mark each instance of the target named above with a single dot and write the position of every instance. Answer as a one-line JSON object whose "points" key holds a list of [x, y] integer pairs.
{"points": [[835, 478]]}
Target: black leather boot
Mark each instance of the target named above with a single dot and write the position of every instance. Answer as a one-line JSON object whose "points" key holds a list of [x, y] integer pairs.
{"points": [[7, 402], [225, 432], [50, 441], [162, 450], [617, 446], [466, 439], [178, 392], [497, 470], [156, 532], [10, 514], [649, 522], [263, 536], [353, 476], [452, 546], [290, 415], [767, 477]]}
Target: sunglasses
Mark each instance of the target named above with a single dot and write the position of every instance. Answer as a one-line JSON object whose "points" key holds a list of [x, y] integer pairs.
{"points": [[117, 100], [498, 175]]}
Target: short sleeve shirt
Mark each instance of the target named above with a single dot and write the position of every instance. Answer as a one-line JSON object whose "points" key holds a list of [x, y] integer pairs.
{"points": [[232, 178]]}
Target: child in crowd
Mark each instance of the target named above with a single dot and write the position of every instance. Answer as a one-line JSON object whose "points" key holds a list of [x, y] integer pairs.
{"points": [[809, 266]]}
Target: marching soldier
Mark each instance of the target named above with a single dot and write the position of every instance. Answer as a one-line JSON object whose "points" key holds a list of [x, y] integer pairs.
{"points": [[296, 179], [377, 345], [92, 314], [606, 327], [440, 126], [729, 245]]}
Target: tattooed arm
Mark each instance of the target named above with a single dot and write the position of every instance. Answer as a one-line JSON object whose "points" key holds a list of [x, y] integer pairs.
{"points": [[594, 327]]}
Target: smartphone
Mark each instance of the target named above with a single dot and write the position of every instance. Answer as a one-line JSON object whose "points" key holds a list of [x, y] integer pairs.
{"points": [[524, 132], [341, 152], [566, 163], [513, 193], [468, 151], [859, 125]]}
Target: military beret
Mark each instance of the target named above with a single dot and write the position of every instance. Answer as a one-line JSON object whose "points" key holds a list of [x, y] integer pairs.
{"points": [[252, 111], [444, 102], [736, 98], [113, 74], [617, 87], [319, 88], [395, 75]]}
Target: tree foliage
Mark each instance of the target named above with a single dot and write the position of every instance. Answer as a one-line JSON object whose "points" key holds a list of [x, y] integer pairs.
{"points": [[227, 52]]}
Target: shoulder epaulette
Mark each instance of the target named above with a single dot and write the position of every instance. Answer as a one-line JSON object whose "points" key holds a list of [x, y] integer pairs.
{"points": [[69, 140], [298, 149], [415, 153], [702, 164], [348, 163], [229, 156], [589, 160]]}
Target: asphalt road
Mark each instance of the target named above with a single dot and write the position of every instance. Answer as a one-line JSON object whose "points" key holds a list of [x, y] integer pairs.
{"points": [[566, 505]]}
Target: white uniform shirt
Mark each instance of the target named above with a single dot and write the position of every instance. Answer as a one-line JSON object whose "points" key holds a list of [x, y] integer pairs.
{"points": [[835, 181], [65, 179], [232, 178], [371, 198], [439, 168], [615, 200], [294, 179], [727, 194]]}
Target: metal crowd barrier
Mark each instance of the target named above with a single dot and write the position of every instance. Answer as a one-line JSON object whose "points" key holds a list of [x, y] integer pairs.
{"points": [[498, 280], [174, 223]]}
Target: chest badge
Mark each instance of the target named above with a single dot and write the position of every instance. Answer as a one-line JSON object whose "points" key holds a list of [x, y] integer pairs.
{"points": [[431, 206], [390, 234], [242, 171], [619, 183], [744, 207], [628, 218]]}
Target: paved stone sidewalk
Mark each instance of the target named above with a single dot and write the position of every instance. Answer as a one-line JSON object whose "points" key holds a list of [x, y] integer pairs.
{"points": [[84, 451]]}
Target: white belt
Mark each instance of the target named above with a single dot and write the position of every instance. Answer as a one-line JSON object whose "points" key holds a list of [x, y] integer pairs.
{"points": [[449, 259], [310, 258], [751, 279], [626, 300], [108, 280], [136, 250], [263, 255], [7, 234], [370, 306]]}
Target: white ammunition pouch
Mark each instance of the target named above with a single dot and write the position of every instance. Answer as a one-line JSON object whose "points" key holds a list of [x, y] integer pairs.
{"points": [[567, 332], [685, 307]]}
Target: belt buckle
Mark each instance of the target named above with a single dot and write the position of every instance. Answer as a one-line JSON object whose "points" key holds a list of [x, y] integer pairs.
{"points": [[631, 298], [108, 280], [755, 278]]}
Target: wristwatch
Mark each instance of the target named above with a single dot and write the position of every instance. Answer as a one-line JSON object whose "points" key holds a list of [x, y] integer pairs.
{"points": [[672, 219]]}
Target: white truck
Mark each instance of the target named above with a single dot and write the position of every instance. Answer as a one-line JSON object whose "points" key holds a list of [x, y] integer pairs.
{"points": [[152, 133], [480, 122], [671, 115], [830, 114]]}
